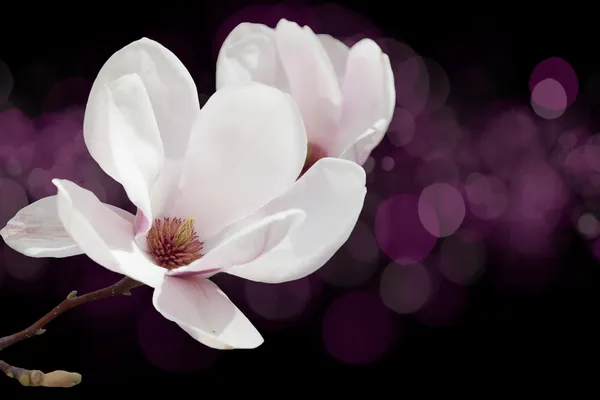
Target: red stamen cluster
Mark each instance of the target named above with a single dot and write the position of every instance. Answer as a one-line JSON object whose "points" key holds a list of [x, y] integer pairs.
{"points": [[173, 243]]}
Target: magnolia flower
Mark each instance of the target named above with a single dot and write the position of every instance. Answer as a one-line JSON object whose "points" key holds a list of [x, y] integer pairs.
{"points": [[346, 95], [216, 190]]}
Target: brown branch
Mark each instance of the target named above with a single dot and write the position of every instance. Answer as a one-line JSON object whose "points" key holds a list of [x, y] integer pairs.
{"points": [[58, 378], [122, 287], [28, 377]]}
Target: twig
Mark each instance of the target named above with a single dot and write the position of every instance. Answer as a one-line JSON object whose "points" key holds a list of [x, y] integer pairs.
{"points": [[122, 287], [29, 377], [57, 378]]}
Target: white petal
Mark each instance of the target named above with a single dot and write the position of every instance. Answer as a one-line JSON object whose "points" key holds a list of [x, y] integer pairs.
{"points": [[206, 313], [337, 53], [359, 150], [312, 80], [171, 89], [36, 230], [102, 234], [249, 53], [331, 193], [248, 147], [122, 135], [236, 246], [368, 91]]}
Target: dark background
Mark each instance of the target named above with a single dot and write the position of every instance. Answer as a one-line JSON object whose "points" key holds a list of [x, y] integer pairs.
{"points": [[507, 336]]}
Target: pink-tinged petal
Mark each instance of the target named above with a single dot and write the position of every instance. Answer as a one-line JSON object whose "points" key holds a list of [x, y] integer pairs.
{"points": [[103, 234], [249, 53], [199, 307], [369, 94], [170, 87], [359, 151], [121, 134], [248, 147], [312, 80], [36, 231], [331, 193], [337, 53], [242, 244]]}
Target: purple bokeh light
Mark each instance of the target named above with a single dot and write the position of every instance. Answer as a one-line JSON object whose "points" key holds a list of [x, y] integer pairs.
{"points": [[588, 225], [461, 261], [561, 72], [286, 301], [356, 261], [505, 181], [447, 204], [402, 128], [549, 99], [405, 288], [399, 231]]}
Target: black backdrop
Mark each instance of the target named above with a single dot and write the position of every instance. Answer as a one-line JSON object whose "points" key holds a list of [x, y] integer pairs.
{"points": [[510, 337]]}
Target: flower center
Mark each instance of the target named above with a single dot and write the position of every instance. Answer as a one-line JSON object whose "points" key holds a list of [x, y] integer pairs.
{"points": [[173, 243], [313, 154]]}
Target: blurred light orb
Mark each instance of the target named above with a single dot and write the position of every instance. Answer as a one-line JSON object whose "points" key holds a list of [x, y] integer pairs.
{"points": [[549, 99], [357, 329], [588, 225], [279, 302], [591, 152], [537, 189], [448, 206], [355, 263], [461, 261], [361, 244], [560, 71], [405, 288], [21, 267], [438, 169], [369, 165], [487, 196], [400, 232], [345, 271], [12, 198], [387, 163], [412, 84], [402, 128], [567, 140], [439, 85], [14, 167]]}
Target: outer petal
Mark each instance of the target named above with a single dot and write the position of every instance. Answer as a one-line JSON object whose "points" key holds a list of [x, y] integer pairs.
{"points": [[337, 53], [331, 193], [170, 88], [249, 53], [122, 135], [312, 80], [36, 230], [241, 246], [206, 313], [369, 94], [102, 234], [248, 147], [359, 150]]}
